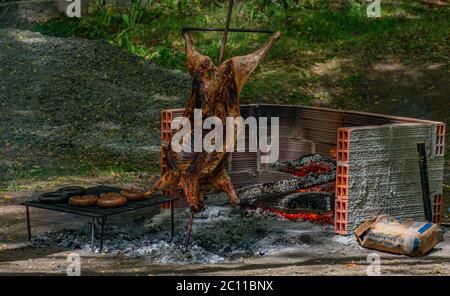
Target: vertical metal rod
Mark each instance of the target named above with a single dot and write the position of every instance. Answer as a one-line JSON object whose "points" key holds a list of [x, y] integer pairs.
{"points": [[28, 222], [172, 220], [189, 231], [225, 32], [101, 233], [92, 234], [424, 181]]}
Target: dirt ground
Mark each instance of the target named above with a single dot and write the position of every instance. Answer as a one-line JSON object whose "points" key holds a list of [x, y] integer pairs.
{"points": [[17, 256]]}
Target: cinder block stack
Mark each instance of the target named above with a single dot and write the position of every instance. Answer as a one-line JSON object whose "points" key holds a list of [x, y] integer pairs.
{"points": [[383, 174]]}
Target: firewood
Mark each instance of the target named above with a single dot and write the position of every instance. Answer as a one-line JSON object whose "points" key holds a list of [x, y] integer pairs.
{"points": [[284, 186], [317, 202], [276, 190], [289, 165], [304, 165]]}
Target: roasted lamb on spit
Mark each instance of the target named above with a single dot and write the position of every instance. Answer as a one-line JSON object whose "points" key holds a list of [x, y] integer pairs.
{"points": [[216, 91]]}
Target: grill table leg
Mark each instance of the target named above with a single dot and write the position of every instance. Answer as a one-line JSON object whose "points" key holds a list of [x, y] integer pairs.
{"points": [[28, 222], [189, 231], [92, 234], [101, 233], [172, 219]]}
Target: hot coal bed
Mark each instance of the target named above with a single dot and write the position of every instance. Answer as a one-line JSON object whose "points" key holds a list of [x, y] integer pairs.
{"points": [[373, 160]]}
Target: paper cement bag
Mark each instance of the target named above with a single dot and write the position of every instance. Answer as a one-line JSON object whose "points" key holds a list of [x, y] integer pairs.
{"points": [[390, 234]]}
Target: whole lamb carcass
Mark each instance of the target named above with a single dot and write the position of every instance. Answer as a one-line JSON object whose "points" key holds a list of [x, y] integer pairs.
{"points": [[216, 91]]}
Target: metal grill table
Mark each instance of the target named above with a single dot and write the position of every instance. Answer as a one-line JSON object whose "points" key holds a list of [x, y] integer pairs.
{"points": [[98, 214]]}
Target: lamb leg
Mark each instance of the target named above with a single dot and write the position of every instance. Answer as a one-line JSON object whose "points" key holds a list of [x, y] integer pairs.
{"points": [[245, 65], [196, 62], [222, 182], [170, 178]]}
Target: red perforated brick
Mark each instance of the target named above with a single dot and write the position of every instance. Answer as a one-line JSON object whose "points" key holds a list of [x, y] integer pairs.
{"points": [[341, 193], [438, 208], [166, 121], [343, 142], [342, 182], [440, 140], [340, 216], [162, 159], [341, 201]]}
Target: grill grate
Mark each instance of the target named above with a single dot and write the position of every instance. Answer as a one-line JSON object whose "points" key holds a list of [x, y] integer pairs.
{"points": [[96, 211]]}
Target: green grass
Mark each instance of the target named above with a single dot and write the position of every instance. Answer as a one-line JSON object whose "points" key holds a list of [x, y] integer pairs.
{"points": [[29, 176]]}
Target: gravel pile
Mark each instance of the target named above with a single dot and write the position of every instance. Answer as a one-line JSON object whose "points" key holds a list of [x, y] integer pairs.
{"points": [[219, 234], [80, 100]]}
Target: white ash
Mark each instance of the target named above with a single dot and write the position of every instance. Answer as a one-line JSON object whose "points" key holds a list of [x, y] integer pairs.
{"points": [[346, 240], [219, 234]]}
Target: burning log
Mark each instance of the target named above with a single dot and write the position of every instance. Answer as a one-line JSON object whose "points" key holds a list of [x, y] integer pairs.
{"points": [[310, 202], [288, 165], [326, 187], [308, 196], [305, 165], [312, 217], [276, 189]]}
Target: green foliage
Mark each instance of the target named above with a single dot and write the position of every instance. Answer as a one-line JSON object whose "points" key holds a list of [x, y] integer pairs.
{"points": [[152, 28]]}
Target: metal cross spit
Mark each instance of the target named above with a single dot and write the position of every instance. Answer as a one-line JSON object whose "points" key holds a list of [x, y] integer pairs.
{"points": [[226, 30], [221, 56]]}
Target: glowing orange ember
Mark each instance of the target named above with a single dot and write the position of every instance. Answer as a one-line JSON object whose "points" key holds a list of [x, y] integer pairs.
{"points": [[327, 187], [311, 217], [316, 168], [313, 168]]}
